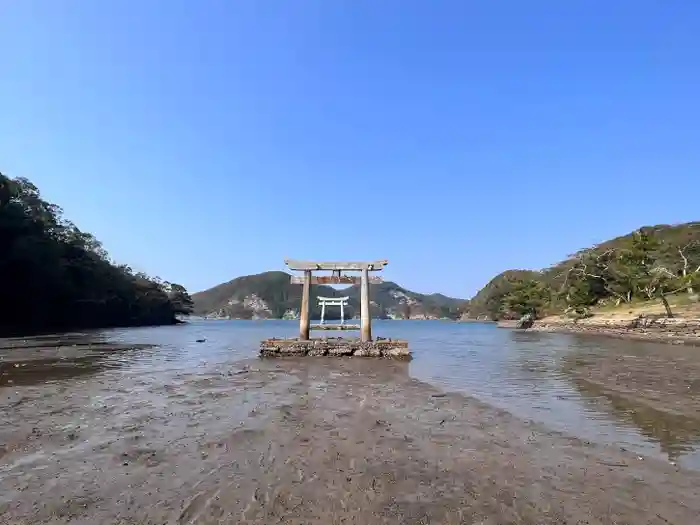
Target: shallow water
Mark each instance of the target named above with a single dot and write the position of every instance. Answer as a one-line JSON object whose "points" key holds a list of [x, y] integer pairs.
{"points": [[536, 376]]}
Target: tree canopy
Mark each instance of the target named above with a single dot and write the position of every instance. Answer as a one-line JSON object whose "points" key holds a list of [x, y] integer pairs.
{"points": [[57, 277], [650, 263], [526, 297]]}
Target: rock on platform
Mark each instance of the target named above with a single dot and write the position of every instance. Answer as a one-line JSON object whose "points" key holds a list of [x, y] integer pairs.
{"points": [[335, 347]]}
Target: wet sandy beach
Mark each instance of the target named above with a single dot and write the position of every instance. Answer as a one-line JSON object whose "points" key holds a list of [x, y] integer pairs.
{"points": [[309, 441]]}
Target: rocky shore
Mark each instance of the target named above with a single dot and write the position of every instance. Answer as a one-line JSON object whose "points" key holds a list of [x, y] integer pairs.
{"points": [[677, 330]]}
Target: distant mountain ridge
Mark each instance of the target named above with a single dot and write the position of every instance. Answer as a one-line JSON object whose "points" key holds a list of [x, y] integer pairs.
{"points": [[271, 295]]}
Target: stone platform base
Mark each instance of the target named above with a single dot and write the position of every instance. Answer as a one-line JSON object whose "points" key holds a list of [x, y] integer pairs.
{"points": [[335, 347]]}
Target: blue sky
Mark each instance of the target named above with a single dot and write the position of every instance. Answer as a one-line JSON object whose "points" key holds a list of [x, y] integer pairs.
{"points": [[200, 141]]}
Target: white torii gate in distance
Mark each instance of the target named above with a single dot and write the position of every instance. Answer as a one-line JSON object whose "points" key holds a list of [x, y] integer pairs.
{"points": [[333, 301]]}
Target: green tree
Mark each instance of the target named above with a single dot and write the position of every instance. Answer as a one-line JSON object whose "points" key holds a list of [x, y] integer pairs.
{"points": [[650, 276], [683, 260], [180, 299], [651, 279], [527, 297], [56, 277], [579, 295]]}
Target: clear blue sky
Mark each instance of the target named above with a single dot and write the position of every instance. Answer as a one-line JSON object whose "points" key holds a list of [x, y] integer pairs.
{"points": [[203, 140]]}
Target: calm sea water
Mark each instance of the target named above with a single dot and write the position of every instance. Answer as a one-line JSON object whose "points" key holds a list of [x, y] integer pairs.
{"points": [[521, 372]]}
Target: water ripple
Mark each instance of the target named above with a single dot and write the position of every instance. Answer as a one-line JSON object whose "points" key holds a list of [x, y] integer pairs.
{"points": [[634, 395]]}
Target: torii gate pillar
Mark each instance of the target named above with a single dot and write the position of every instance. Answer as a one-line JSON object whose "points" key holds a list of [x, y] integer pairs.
{"points": [[304, 317], [365, 319]]}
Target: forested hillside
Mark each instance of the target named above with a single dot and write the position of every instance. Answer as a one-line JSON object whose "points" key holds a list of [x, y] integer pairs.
{"points": [[272, 295], [56, 277], [648, 264], [263, 295]]}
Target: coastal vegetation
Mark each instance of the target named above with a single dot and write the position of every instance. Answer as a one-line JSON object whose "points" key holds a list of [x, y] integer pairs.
{"points": [[650, 264], [55, 276]]}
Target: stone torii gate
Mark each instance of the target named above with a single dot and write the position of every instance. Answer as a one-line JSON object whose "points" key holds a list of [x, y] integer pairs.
{"points": [[336, 278]]}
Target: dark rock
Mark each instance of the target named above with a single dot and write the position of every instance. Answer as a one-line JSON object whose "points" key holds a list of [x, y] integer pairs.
{"points": [[340, 350], [525, 322]]}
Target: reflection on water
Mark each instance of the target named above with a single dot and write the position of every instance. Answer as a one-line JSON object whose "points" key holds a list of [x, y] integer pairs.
{"points": [[635, 395], [649, 405], [676, 434]]}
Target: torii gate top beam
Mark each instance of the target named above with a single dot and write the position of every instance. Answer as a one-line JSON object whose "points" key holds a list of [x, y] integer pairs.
{"points": [[372, 266]]}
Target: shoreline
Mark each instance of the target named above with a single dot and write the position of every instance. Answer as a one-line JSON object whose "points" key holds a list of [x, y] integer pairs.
{"points": [[78, 328], [677, 330]]}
